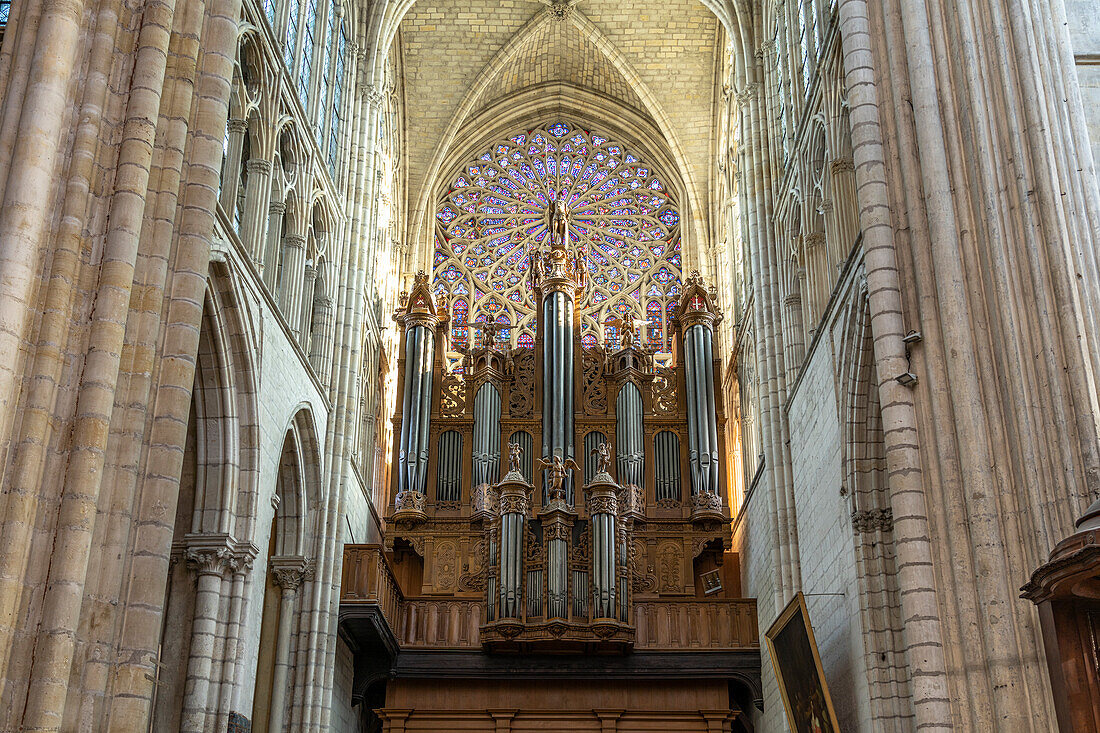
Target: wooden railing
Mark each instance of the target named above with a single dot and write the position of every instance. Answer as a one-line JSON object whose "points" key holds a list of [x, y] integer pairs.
{"points": [[710, 624], [368, 580], [716, 624]]}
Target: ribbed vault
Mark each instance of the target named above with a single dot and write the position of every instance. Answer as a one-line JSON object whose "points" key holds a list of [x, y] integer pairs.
{"points": [[559, 52]]}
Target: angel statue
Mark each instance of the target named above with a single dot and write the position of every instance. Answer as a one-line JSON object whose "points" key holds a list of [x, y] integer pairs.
{"points": [[556, 467], [515, 456], [603, 460]]}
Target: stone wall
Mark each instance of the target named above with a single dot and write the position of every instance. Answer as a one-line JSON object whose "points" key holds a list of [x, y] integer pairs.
{"points": [[825, 537], [1084, 34]]}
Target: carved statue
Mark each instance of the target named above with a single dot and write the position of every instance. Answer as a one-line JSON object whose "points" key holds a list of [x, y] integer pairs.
{"points": [[626, 326], [603, 460], [559, 223], [515, 456], [557, 468], [538, 267]]}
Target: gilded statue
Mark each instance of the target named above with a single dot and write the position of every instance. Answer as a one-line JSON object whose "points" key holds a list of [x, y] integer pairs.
{"points": [[556, 468], [515, 457], [559, 223], [603, 458]]}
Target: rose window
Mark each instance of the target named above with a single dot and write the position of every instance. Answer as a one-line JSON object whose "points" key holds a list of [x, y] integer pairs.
{"points": [[621, 219]]}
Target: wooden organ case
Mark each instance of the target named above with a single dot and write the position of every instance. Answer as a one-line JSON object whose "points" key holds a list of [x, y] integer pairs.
{"points": [[557, 539]]}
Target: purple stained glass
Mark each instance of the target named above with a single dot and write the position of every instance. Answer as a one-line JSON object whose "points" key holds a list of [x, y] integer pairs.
{"points": [[496, 212]]}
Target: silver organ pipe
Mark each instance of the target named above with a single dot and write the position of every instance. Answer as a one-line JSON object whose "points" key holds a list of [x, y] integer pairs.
{"points": [[416, 408], [557, 391], [486, 458], [449, 482], [702, 418], [628, 435]]}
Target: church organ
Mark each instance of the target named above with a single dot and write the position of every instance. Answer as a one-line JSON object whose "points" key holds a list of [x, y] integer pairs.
{"points": [[545, 507]]}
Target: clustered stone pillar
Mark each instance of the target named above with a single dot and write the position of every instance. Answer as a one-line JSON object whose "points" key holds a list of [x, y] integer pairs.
{"points": [[290, 292], [276, 212], [257, 193], [288, 573], [320, 345], [697, 318], [231, 172], [210, 565]]}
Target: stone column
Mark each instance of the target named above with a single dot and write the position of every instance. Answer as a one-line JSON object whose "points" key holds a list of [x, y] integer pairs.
{"points": [[255, 219], [290, 290], [320, 345], [231, 168], [288, 573], [305, 314], [240, 566], [209, 560], [275, 212]]}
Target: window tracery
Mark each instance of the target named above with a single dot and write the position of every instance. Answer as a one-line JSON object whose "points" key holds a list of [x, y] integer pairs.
{"points": [[622, 218]]}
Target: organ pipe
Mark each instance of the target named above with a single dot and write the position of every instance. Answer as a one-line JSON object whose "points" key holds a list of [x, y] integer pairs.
{"points": [[416, 408], [486, 458], [629, 436], [557, 411]]}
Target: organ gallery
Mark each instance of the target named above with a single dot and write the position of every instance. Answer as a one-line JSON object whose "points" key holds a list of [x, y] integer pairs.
{"points": [[557, 539]]}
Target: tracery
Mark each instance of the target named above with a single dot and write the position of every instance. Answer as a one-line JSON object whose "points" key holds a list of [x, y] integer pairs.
{"points": [[622, 219]]}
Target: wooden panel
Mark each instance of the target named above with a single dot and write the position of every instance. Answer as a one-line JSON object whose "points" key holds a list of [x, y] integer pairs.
{"points": [[696, 624]]}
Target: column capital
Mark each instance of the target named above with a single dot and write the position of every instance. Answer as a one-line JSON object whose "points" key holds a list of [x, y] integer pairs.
{"points": [[747, 93], [209, 561], [236, 125], [295, 240], [288, 571], [277, 208]]}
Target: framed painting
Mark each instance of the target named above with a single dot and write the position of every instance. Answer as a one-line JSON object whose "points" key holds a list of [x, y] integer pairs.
{"points": [[797, 665]]}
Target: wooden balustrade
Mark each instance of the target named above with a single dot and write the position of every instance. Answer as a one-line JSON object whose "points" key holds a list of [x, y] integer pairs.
{"points": [[368, 580], [440, 623], [705, 624]]}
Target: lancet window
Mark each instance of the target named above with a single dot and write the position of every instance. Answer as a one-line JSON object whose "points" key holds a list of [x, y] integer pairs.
{"points": [[622, 218]]}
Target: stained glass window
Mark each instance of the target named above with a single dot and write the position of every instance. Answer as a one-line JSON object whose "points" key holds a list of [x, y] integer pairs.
{"points": [[326, 77], [291, 34], [337, 100], [269, 11], [622, 219], [305, 70]]}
